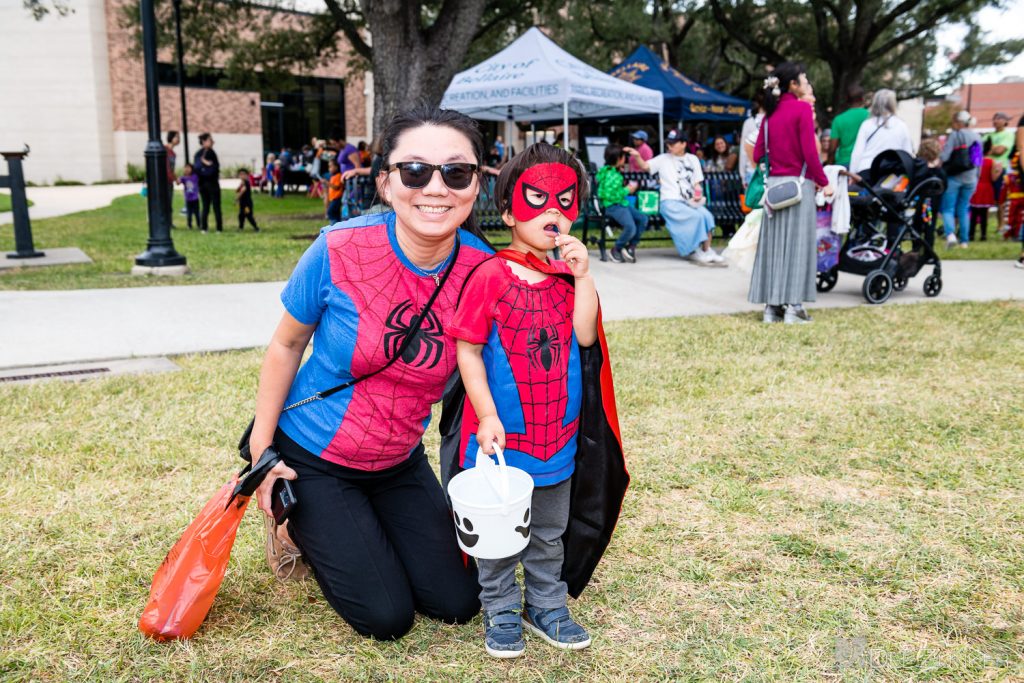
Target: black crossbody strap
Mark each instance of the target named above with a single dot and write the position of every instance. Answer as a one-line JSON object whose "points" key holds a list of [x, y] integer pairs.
{"points": [[413, 329]]}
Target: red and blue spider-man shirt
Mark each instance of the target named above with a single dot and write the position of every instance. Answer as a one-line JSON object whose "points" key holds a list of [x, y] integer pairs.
{"points": [[533, 367], [355, 284]]}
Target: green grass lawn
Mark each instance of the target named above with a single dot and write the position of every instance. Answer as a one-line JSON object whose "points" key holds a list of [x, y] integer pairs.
{"points": [[852, 486], [5, 201]]}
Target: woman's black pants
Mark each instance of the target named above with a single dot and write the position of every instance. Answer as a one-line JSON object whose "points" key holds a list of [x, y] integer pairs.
{"points": [[381, 544]]}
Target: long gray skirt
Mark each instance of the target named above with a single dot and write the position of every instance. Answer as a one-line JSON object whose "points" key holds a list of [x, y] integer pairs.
{"points": [[786, 264]]}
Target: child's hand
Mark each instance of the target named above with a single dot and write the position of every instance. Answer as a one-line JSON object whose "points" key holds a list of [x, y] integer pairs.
{"points": [[574, 254], [489, 431]]}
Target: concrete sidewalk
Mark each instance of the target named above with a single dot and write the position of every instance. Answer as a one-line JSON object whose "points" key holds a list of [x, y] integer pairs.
{"points": [[69, 326]]}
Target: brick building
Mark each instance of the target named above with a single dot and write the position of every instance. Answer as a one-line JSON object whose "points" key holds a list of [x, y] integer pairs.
{"points": [[984, 100], [74, 91]]}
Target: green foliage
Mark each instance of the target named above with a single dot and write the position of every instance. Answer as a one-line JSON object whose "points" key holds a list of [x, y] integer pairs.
{"points": [[136, 172], [61, 182]]}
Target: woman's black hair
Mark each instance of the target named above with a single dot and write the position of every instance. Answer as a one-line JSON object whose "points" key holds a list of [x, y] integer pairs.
{"points": [[786, 73], [987, 146], [612, 154], [170, 135], [535, 154], [427, 115]]}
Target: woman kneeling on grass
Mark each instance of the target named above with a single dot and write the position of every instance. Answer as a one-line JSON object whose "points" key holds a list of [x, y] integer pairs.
{"points": [[371, 520]]}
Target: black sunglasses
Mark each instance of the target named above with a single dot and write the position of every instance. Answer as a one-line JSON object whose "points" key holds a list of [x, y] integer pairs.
{"points": [[416, 174]]}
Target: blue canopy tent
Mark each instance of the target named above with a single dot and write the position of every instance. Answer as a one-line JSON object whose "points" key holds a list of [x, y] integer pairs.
{"points": [[685, 100]]}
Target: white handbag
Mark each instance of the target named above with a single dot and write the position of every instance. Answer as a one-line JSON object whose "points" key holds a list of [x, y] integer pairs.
{"points": [[782, 193]]}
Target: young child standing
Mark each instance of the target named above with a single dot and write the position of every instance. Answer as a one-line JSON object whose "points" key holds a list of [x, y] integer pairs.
{"points": [[190, 182], [520, 325], [243, 197], [268, 174], [335, 190]]}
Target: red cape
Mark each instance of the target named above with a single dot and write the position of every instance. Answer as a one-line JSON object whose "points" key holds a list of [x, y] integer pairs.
{"points": [[600, 479]]}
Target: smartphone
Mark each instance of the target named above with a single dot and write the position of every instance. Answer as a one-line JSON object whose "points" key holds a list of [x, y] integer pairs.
{"points": [[282, 500]]}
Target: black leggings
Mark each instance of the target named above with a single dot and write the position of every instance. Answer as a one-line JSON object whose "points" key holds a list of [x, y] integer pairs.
{"points": [[381, 544], [209, 192]]}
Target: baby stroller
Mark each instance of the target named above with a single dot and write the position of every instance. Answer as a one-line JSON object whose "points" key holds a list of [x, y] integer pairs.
{"points": [[895, 205]]}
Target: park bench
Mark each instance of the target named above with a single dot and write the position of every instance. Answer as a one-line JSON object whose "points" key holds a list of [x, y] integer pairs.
{"points": [[723, 190]]}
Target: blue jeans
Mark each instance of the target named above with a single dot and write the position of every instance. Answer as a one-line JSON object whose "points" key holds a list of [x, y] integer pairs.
{"points": [[955, 203], [633, 224]]}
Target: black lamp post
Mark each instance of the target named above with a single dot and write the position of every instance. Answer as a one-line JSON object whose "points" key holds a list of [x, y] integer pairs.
{"points": [[160, 251]]}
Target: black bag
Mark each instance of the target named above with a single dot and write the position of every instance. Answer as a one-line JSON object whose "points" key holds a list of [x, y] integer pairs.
{"points": [[243, 443], [959, 160]]}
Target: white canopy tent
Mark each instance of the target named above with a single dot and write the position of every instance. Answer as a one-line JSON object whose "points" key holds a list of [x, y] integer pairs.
{"points": [[535, 80]]}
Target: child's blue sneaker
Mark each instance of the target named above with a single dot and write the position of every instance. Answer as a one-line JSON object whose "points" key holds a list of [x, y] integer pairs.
{"points": [[556, 627], [503, 632]]}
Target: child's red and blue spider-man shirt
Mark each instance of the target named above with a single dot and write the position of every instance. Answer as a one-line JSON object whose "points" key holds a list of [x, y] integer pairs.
{"points": [[533, 367], [355, 284]]}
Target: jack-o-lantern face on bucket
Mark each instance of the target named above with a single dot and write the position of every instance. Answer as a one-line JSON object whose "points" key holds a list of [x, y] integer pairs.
{"points": [[525, 528], [464, 528]]}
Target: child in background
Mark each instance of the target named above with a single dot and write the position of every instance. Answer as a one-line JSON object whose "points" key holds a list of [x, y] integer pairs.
{"points": [[190, 182], [613, 191], [519, 327], [268, 174], [278, 179], [335, 189], [984, 197], [243, 197]]}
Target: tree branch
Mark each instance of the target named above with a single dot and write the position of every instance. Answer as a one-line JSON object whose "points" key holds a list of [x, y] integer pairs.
{"points": [[348, 27], [920, 27], [743, 37]]}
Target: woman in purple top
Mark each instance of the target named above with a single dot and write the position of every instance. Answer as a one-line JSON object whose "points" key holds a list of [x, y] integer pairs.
{"points": [[786, 261]]}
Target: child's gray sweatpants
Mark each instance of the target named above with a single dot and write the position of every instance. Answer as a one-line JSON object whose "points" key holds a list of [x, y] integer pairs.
{"points": [[542, 557]]}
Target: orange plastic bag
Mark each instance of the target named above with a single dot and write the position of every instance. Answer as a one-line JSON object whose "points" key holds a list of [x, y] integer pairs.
{"points": [[188, 580]]}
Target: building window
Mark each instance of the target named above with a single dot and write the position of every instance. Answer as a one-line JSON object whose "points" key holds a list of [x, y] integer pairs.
{"points": [[289, 118]]}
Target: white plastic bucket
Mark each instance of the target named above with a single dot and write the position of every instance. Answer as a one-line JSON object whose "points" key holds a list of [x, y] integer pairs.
{"points": [[492, 507]]}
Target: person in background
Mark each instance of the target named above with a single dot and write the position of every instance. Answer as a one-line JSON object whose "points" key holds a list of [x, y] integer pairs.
{"points": [[278, 175], [681, 200], [493, 158], [643, 151], [959, 186], [748, 136], [1002, 140], [882, 131], [173, 139], [499, 144], [846, 126], [720, 156], [207, 167], [612, 192], [190, 183], [268, 174], [243, 197], [785, 266], [984, 197], [335, 188], [364, 153]]}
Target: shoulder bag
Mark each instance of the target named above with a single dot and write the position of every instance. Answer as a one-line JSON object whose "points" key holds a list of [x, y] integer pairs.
{"points": [[959, 159], [782, 194], [243, 442]]}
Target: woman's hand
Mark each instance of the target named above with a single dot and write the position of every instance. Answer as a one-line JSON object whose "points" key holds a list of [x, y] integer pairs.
{"points": [[490, 431], [828, 190], [574, 254], [629, 150], [266, 489]]}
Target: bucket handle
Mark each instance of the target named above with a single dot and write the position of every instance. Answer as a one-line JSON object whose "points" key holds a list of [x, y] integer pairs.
{"points": [[503, 491]]}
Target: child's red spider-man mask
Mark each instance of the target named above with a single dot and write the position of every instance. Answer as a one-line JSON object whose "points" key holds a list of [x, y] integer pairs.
{"points": [[543, 187]]}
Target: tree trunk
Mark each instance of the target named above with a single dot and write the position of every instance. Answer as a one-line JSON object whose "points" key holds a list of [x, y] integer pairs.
{"points": [[413, 65]]}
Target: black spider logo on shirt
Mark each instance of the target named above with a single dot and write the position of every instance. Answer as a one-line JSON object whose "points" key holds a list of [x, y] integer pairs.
{"points": [[543, 347], [427, 343]]}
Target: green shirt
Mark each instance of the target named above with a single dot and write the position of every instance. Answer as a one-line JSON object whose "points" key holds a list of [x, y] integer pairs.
{"points": [[611, 189], [844, 129], [1004, 137]]}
